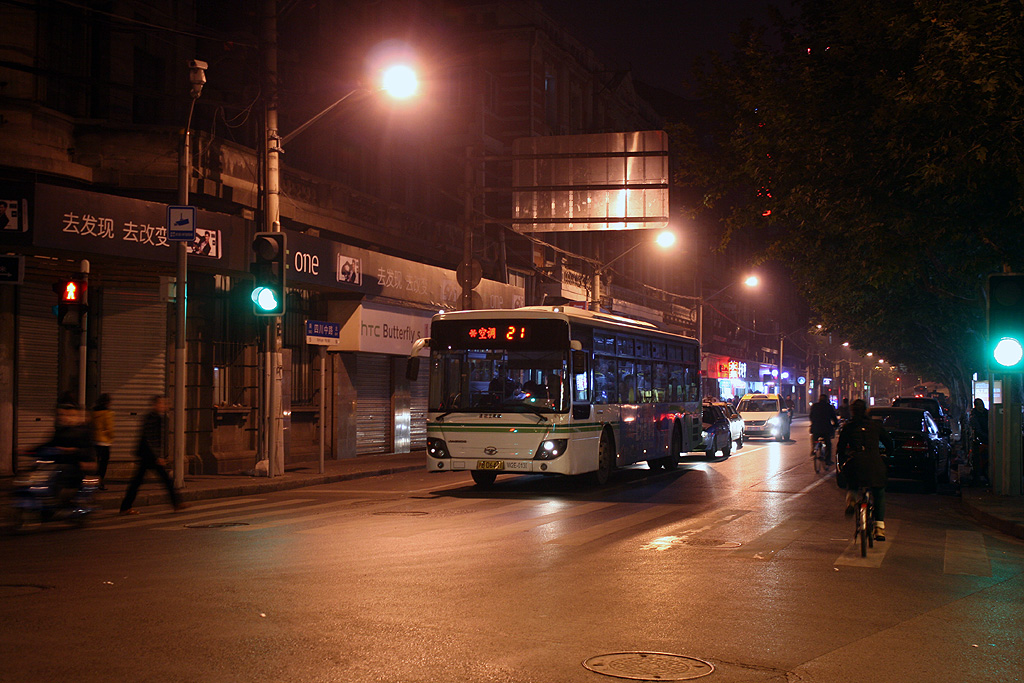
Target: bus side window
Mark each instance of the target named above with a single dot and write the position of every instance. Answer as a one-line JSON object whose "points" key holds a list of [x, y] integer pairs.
{"points": [[643, 383], [627, 382], [605, 380]]}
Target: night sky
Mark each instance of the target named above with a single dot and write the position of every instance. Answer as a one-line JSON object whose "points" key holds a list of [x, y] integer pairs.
{"points": [[658, 39]]}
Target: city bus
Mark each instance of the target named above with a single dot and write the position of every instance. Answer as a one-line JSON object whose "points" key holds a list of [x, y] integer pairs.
{"points": [[557, 390]]}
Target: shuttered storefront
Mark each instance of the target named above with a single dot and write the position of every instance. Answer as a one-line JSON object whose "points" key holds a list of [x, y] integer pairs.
{"points": [[133, 352], [374, 415], [418, 401], [37, 365]]}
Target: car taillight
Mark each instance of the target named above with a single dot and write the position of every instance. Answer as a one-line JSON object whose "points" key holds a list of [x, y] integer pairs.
{"points": [[915, 445]]}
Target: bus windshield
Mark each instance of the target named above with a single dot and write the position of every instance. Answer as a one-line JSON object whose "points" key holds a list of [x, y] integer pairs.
{"points": [[511, 380]]}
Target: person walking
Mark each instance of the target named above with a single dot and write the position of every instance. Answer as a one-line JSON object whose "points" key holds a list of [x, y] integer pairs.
{"points": [[978, 421], [102, 435], [150, 454]]}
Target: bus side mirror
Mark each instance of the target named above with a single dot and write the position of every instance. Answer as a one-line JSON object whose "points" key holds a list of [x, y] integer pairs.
{"points": [[579, 362], [412, 368]]}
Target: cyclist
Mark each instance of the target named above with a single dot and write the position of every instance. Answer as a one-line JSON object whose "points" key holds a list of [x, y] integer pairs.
{"points": [[823, 424], [862, 462]]}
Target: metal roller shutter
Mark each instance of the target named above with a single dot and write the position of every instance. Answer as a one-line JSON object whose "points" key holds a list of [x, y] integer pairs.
{"points": [[418, 399], [37, 365], [133, 361], [373, 403]]}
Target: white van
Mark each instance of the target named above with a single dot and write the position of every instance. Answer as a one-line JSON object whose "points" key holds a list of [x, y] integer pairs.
{"points": [[765, 415]]}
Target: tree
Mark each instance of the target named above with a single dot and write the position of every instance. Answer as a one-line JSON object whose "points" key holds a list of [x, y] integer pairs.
{"points": [[876, 148]]}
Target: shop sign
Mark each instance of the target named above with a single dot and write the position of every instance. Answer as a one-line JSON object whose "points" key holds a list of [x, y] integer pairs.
{"points": [[382, 329], [335, 265], [96, 223]]}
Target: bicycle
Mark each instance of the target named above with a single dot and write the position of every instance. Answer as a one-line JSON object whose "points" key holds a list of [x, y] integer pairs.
{"points": [[864, 516], [820, 456]]}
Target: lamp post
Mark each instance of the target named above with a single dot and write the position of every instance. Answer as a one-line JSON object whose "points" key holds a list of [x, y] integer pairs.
{"points": [[197, 79], [397, 80], [664, 240], [749, 281]]}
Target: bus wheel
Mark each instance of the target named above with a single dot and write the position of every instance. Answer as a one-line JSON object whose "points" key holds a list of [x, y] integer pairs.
{"points": [[676, 447], [605, 461], [484, 479]]}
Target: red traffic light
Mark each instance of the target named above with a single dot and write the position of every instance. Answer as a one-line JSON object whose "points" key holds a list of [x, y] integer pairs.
{"points": [[72, 292]]}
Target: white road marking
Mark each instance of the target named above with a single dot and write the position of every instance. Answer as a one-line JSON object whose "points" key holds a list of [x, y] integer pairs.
{"points": [[851, 555], [966, 554]]}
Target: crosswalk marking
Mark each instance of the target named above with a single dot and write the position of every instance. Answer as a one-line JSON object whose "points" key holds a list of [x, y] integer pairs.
{"points": [[768, 544], [602, 529], [197, 512], [851, 554], [965, 553]]}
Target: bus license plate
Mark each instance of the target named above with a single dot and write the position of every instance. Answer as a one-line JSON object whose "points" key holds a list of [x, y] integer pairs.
{"points": [[490, 464]]}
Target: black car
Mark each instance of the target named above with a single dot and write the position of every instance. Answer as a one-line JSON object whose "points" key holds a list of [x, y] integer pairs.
{"points": [[922, 451], [716, 430], [932, 405]]}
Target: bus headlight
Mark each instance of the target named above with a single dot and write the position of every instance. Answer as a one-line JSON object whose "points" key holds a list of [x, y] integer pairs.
{"points": [[551, 449], [437, 448]]}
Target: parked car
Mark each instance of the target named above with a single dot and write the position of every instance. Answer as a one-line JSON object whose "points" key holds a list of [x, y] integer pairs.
{"points": [[932, 405], [716, 431], [735, 421], [765, 415], [922, 451]]}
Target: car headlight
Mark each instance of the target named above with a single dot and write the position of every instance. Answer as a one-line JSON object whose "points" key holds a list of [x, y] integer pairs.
{"points": [[774, 421], [437, 448], [551, 449], [705, 434]]}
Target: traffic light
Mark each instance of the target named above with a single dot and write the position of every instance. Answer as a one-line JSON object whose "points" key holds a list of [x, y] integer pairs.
{"points": [[73, 300], [268, 270], [1006, 322]]}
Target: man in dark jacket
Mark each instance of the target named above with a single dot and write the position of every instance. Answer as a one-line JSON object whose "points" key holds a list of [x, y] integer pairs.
{"points": [[150, 453], [823, 423], [861, 462]]}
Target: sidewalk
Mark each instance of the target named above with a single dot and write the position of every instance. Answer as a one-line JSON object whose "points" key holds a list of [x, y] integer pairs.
{"points": [[296, 475], [1004, 513]]}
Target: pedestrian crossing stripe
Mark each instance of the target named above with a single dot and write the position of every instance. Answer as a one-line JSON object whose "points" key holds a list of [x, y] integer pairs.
{"points": [[964, 551]]}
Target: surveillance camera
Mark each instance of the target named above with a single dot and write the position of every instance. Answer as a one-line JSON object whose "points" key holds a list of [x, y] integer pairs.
{"points": [[197, 76]]}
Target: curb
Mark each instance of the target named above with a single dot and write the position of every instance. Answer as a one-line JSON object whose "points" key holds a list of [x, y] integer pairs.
{"points": [[1006, 526], [111, 500]]}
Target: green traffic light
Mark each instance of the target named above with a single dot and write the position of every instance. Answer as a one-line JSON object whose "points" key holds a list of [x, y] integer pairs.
{"points": [[265, 299], [1008, 352]]}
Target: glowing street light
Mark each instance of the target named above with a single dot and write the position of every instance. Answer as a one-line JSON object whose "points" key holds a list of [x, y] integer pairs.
{"points": [[399, 81], [665, 239]]}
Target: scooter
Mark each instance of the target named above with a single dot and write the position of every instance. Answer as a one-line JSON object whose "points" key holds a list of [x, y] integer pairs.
{"points": [[39, 496]]}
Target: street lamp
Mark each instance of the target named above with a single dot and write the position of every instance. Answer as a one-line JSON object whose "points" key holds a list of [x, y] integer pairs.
{"points": [[197, 79], [665, 239], [749, 281], [399, 81]]}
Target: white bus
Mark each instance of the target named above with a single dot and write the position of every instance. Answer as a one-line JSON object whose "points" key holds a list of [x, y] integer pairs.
{"points": [[557, 390]]}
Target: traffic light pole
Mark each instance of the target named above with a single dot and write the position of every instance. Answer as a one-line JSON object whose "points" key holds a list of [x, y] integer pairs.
{"points": [[83, 344], [273, 441]]}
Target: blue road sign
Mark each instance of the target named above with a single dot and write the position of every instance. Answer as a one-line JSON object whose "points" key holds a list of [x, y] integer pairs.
{"points": [[319, 332], [181, 223]]}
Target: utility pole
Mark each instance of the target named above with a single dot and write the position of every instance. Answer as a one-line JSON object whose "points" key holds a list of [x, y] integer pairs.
{"points": [[273, 428]]}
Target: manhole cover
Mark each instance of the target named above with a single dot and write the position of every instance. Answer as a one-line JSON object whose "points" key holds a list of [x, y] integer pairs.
{"points": [[12, 590], [400, 513], [711, 543], [215, 525], [649, 666]]}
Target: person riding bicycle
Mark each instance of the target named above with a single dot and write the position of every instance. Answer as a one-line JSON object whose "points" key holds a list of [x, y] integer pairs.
{"points": [[862, 464], [823, 424]]}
